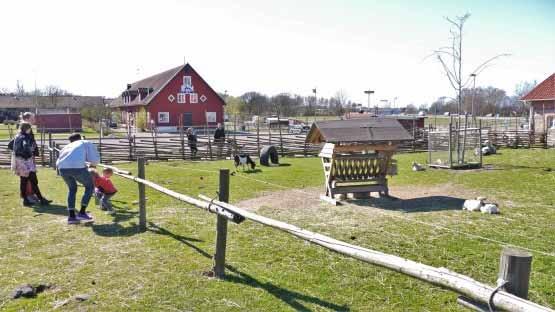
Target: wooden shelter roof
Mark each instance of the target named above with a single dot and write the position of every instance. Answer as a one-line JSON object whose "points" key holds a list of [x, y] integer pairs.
{"points": [[370, 130]]}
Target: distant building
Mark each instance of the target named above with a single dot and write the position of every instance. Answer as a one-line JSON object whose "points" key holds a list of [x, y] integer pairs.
{"points": [[407, 121], [542, 105], [11, 106], [58, 121], [179, 96]]}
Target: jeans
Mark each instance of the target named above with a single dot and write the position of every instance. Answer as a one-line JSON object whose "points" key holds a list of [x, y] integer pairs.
{"points": [[104, 198], [71, 177]]}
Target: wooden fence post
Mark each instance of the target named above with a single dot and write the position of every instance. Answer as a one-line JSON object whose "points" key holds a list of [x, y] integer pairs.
{"points": [[129, 138], [142, 195], [221, 227], [480, 140], [413, 135], [56, 154], [182, 138], [100, 140], [514, 268], [258, 134], [209, 147]]}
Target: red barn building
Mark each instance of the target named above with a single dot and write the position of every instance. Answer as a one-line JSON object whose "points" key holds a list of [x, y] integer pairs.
{"points": [[542, 105], [57, 121], [179, 96]]}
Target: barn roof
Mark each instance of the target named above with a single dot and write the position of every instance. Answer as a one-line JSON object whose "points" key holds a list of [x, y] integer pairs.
{"points": [[543, 91], [358, 130], [155, 84]]}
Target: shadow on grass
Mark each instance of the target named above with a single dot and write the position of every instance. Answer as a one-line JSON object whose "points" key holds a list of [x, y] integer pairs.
{"points": [[292, 298], [51, 209], [251, 171], [116, 229], [420, 204]]}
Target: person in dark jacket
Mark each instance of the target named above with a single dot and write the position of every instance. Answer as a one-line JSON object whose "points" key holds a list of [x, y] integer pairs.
{"points": [[192, 142], [25, 150], [219, 138]]}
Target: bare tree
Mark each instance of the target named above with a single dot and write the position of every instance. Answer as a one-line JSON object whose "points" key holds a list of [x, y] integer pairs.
{"points": [[19, 89], [451, 58]]}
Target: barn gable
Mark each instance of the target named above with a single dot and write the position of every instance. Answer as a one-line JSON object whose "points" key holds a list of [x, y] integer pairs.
{"points": [[170, 99]]}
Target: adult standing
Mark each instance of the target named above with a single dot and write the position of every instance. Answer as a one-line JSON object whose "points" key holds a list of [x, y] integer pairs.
{"points": [[72, 165], [24, 151], [219, 138], [192, 142], [27, 117]]}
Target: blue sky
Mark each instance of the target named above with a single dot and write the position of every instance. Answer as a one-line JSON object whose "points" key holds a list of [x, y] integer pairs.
{"points": [[96, 47]]}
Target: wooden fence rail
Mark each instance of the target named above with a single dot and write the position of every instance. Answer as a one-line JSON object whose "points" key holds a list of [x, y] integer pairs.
{"points": [[441, 277]]}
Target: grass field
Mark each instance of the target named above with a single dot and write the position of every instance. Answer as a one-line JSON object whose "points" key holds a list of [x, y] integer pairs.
{"points": [[162, 269]]}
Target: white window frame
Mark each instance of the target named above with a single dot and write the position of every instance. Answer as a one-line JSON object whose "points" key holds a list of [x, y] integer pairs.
{"points": [[211, 117], [187, 81], [163, 120], [193, 98], [182, 98]]}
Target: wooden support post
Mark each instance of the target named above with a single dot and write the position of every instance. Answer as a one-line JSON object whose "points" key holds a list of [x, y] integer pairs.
{"points": [[514, 268], [142, 194], [221, 227]]}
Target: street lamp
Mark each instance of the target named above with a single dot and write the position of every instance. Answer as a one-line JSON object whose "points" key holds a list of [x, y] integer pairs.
{"points": [[369, 92], [473, 75]]}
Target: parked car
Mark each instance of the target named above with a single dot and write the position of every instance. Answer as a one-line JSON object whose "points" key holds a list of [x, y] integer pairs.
{"points": [[296, 129]]}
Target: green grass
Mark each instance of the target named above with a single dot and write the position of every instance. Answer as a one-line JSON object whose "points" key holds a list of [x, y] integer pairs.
{"points": [[161, 269]]}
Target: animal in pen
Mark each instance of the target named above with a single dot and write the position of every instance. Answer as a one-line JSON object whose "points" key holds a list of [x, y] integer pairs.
{"points": [[358, 154], [243, 160]]}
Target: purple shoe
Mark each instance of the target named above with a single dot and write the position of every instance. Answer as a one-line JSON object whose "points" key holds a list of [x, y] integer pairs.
{"points": [[73, 220], [85, 217]]}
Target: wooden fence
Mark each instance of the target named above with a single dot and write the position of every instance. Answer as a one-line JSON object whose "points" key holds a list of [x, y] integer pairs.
{"points": [[154, 146], [510, 295], [175, 146]]}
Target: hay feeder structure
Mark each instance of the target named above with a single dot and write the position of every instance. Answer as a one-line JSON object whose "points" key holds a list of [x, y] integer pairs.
{"points": [[357, 154]]}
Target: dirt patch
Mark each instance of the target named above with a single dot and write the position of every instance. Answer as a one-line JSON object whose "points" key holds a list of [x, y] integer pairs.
{"points": [[406, 199]]}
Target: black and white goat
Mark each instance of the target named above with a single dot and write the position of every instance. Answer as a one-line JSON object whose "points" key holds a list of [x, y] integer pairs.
{"points": [[244, 159]]}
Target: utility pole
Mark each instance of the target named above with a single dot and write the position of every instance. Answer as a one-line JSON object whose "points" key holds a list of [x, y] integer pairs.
{"points": [[473, 75], [315, 100]]}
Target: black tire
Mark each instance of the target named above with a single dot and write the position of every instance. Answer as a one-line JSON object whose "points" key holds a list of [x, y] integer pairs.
{"points": [[269, 154]]}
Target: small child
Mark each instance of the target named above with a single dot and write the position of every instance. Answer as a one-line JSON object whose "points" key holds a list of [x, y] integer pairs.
{"points": [[104, 189]]}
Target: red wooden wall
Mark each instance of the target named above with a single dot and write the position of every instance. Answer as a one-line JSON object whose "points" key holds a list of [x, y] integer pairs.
{"points": [[161, 103]]}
